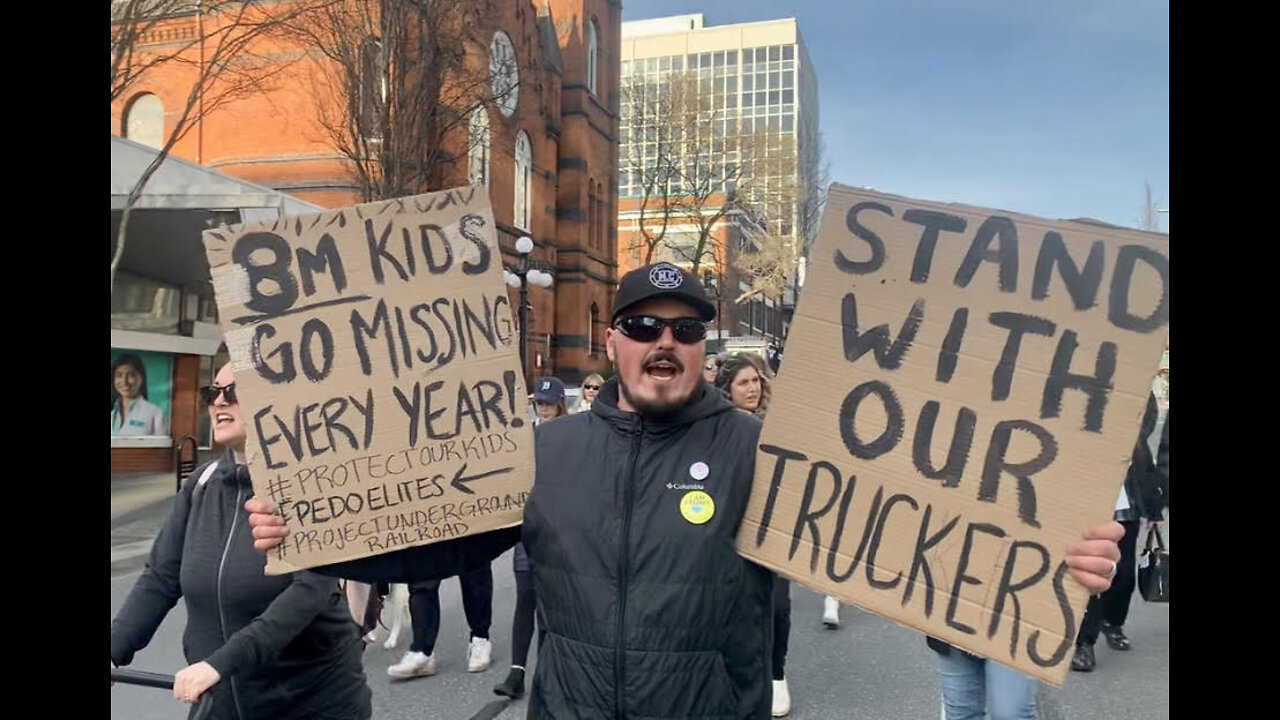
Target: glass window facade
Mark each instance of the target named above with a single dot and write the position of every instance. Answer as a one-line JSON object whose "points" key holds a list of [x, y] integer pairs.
{"points": [[751, 90]]}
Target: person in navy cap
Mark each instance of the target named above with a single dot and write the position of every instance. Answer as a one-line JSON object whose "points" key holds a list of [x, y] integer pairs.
{"points": [[548, 399]]}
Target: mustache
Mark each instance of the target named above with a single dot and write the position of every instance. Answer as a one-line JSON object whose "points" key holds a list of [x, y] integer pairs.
{"points": [[662, 355]]}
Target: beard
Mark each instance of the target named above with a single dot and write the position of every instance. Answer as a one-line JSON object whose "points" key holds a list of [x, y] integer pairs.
{"points": [[655, 409]]}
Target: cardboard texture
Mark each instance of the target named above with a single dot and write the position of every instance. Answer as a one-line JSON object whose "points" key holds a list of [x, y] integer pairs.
{"points": [[378, 372], [864, 487]]}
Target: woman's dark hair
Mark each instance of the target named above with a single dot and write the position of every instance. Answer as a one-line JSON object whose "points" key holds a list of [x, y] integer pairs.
{"points": [[729, 369], [136, 363]]}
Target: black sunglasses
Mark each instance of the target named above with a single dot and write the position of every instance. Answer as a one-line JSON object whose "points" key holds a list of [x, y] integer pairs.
{"points": [[210, 393], [590, 387], [647, 328]]}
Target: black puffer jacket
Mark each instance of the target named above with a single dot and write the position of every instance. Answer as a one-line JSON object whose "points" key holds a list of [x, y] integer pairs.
{"points": [[647, 615], [1142, 481], [285, 645]]}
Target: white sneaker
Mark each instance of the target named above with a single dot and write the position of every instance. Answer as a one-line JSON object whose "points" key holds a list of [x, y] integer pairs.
{"points": [[831, 612], [781, 699], [479, 655], [413, 664]]}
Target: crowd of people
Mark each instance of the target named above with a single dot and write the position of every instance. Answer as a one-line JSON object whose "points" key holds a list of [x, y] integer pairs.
{"points": [[640, 611]]}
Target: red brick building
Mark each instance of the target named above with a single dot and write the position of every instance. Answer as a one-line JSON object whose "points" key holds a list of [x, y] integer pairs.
{"points": [[550, 160]]}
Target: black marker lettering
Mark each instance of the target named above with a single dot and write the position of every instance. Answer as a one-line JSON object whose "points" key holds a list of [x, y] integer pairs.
{"points": [[779, 466], [962, 579], [843, 263], [1121, 282], [933, 222], [1068, 621], [324, 259], [1006, 255], [1097, 386], [1017, 324], [950, 351], [996, 464], [888, 357], [957, 454], [1010, 590], [808, 518], [875, 542], [919, 563], [834, 551], [892, 433], [275, 272], [1082, 285]]}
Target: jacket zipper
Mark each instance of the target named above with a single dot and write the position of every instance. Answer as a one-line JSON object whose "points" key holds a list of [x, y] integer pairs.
{"points": [[623, 568], [222, 617]]}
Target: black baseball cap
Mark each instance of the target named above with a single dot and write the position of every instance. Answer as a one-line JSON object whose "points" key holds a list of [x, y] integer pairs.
{"points": [[662, 279]]}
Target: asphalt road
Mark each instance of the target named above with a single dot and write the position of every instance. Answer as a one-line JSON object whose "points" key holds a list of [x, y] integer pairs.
{"points": [[868, 669]]}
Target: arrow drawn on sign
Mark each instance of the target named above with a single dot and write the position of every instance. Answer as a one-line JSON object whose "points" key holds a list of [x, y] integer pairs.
{"points": [[458, 481]]}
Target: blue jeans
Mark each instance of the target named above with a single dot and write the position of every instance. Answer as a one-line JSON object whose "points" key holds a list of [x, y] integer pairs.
{"points": [[972, 685]]}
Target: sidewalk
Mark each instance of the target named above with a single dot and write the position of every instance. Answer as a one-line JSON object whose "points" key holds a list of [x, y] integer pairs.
{"points": [[140, 504]]}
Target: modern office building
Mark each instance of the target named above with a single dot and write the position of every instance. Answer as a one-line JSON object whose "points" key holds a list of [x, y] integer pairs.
{"points": [[760, 80]]}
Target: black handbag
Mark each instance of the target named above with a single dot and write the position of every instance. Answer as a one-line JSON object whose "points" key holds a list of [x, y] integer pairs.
{"points": [[1153, 569]]}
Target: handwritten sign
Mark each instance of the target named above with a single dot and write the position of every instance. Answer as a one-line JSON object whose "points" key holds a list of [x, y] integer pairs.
{"points": [[377, 368], [961, 397]]}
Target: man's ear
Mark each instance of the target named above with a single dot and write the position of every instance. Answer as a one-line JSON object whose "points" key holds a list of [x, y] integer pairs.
{"points": [[608, 344]]}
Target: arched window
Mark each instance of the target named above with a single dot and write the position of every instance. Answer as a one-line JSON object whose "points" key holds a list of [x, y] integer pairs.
{"points": [[373, 89], [592, 45], [602, 217], [478, 146], [593, 317], [144, 121], [523, 181], [591, 212]]}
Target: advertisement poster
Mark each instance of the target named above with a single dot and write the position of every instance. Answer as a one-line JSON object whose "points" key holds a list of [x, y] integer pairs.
{"points": [[140, 388]]}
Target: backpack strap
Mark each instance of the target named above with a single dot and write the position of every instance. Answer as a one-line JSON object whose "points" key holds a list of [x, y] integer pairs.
{"points": [[198, 488], [208, 473]]}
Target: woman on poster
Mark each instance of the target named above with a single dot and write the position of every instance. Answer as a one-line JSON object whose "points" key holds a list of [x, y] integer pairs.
{"points": [[131, 412]]}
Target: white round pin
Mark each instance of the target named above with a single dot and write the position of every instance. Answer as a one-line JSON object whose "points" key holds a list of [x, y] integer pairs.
{"points": [[699, 470]]}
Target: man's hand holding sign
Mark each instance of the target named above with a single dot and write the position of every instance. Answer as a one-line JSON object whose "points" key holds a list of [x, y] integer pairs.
{"points": [[961, 396]]}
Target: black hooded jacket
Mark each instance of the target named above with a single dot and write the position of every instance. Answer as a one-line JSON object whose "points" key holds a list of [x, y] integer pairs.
{"points": [[647, 613], [285, 645]]}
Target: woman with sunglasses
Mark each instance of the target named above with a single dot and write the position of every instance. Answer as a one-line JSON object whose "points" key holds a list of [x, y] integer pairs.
{"points": [[278, 647], [590, 388]]}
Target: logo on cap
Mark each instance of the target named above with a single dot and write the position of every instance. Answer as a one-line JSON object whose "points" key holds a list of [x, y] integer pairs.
{"points": [[666, 277], [546, 384]]}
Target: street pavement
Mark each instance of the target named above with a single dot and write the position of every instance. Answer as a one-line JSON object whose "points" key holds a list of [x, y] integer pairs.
{"points": [[868, 669]]}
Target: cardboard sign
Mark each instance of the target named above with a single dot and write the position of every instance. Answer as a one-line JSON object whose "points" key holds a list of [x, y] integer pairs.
{"points": [[377, 368], [960, 400]]}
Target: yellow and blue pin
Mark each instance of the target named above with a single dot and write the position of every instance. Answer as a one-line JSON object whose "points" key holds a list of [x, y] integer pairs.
{"points": [[696, 506]]}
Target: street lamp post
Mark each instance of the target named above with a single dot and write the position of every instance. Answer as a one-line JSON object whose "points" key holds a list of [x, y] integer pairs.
{"points": [[521, 276]]}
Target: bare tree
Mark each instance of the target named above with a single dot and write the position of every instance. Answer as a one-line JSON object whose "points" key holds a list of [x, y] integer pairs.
{"points": [[693, 163], [773, 264], [648, 155], [134, 23], [219, 57], [401, 84], [1148, 213]]}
